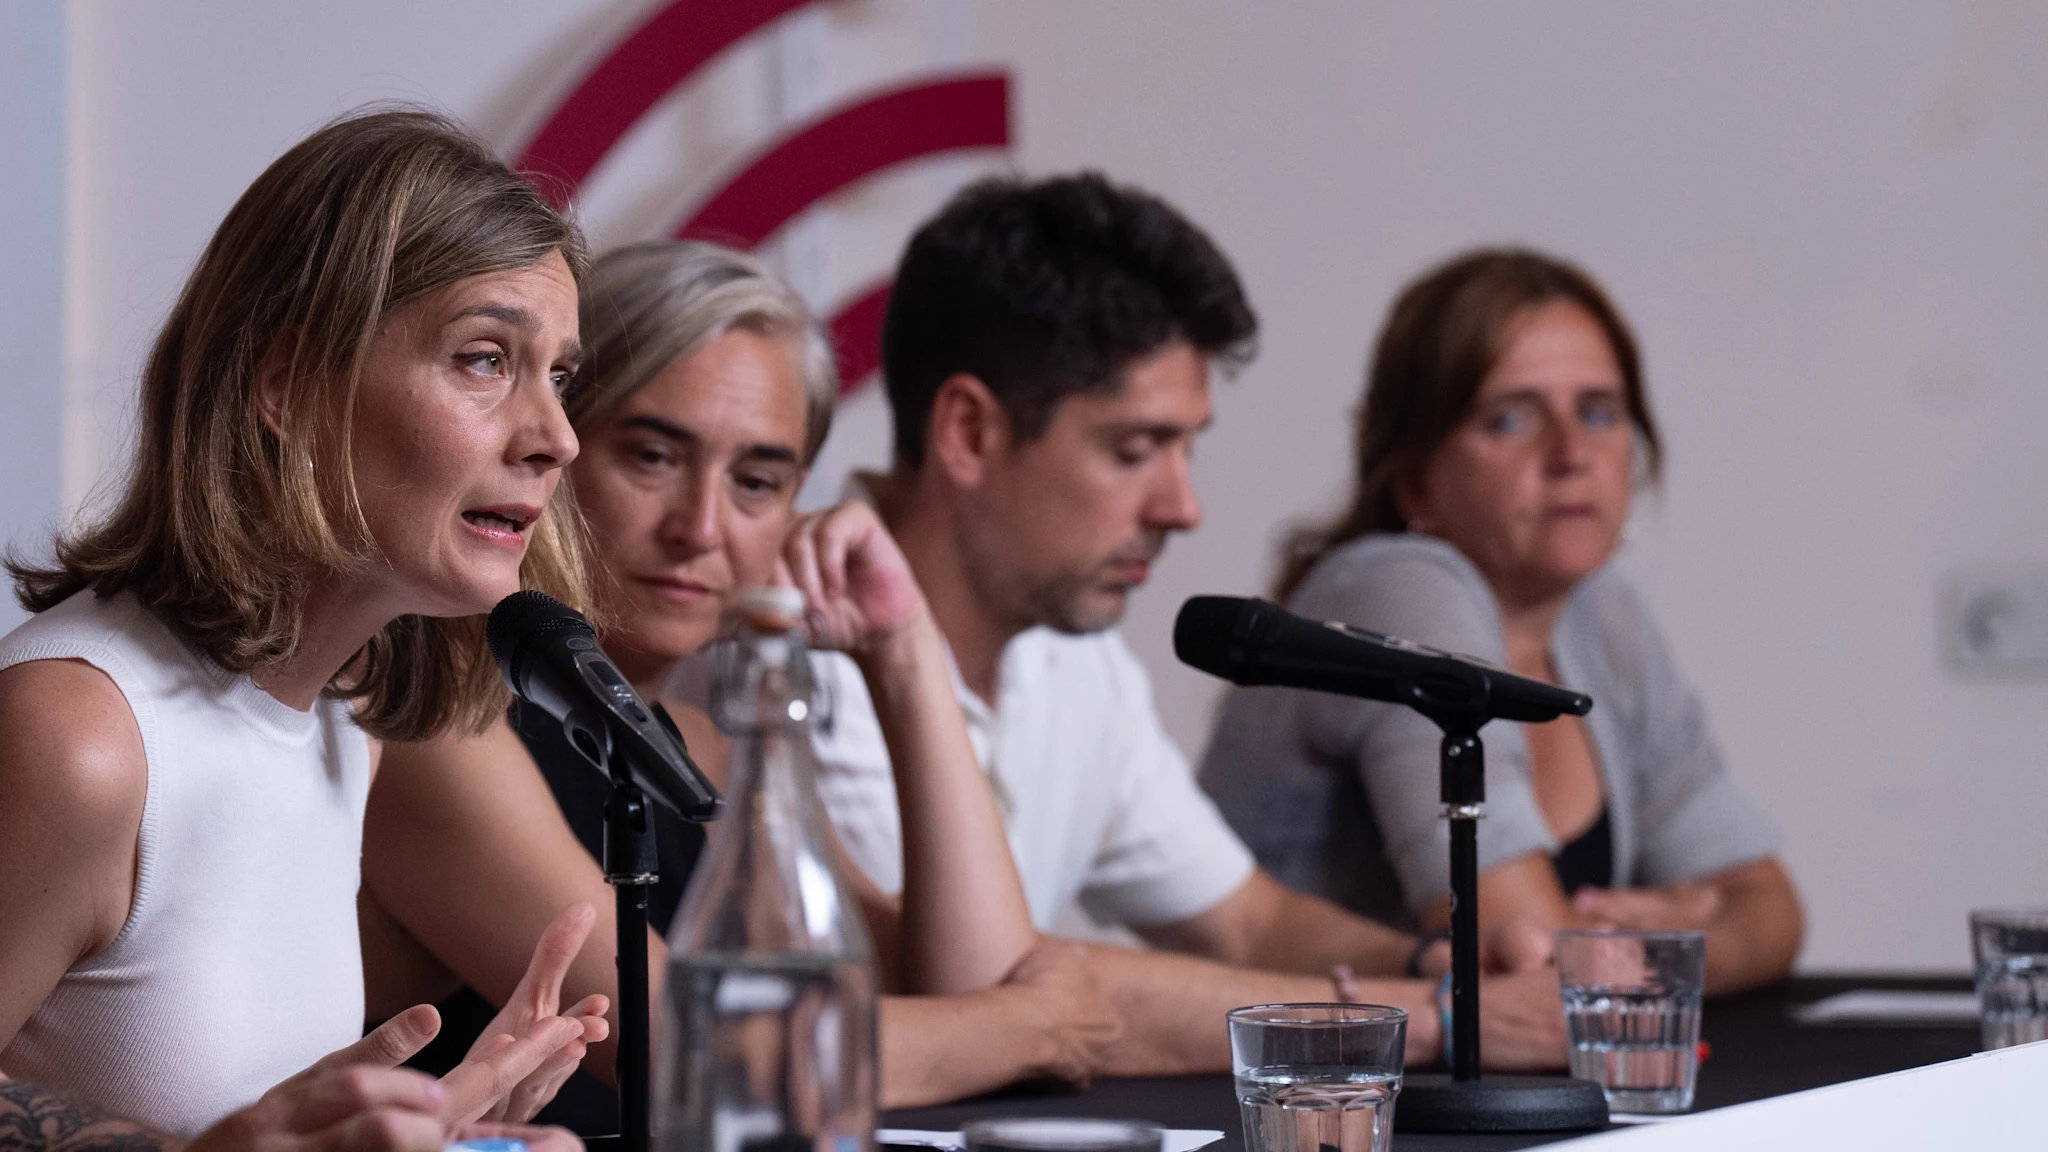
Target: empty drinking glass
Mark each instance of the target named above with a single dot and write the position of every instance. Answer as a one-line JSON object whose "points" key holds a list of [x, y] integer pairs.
{"points": [[2010, 946], [1317, 1077], [1632, 1014]]}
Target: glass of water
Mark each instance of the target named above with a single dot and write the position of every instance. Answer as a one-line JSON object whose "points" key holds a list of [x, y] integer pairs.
{"points": [[2010, 946], [1317, 1077], [1632, 1014]]}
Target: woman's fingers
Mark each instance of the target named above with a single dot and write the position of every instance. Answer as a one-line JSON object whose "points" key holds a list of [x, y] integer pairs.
{"points": [[488, 1077], [591, 1010], [837, 533], [390, 1044], [537, 1089], [540, 990]]}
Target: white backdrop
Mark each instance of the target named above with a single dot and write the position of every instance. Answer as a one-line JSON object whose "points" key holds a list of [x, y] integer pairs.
{"points": [[1826, 220]]}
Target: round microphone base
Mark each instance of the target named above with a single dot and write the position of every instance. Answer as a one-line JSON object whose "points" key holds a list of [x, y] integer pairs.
{"points": [[1433, 1102]]}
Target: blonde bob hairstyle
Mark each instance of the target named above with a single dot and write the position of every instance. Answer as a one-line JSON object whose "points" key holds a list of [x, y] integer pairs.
{"points": [[223, 527], [648, 306]]}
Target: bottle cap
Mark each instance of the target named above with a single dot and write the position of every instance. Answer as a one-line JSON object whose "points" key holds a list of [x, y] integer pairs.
{"points": [[772, 606]]}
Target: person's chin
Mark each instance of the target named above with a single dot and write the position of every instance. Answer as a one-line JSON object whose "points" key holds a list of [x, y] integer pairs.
{"points": [[1097, 611]]}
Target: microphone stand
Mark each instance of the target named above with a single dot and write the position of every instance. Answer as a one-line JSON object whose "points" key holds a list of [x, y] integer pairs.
{"points": [[1463, 1101], [631, 868]]}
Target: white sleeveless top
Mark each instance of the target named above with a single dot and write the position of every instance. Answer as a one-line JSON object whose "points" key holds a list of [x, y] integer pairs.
{"points": [[239, 964]]}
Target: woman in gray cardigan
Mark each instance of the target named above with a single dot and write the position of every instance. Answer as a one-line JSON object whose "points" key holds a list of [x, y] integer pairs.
{"points": [[1504, 427]]}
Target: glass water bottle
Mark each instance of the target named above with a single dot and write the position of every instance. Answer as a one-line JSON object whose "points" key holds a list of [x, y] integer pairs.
{"points": [[768, 1043]]}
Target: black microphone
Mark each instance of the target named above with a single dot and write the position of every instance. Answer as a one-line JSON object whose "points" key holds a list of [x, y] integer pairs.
{"points": [[1254, 642], [549, 656]]}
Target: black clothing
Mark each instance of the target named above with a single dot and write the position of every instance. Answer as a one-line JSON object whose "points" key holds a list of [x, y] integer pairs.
{"points": [[584, 1105]]}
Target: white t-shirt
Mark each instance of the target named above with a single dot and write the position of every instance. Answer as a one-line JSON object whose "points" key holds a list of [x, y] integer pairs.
{"points": [[1100, 804]]}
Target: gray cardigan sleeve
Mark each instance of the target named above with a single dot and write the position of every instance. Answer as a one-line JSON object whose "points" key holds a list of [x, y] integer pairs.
{"points": [[1690, 819], [1422, 589]]}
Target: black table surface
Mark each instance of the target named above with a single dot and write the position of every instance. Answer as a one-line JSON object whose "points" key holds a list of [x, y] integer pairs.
{"points": [[1756, 1051]]}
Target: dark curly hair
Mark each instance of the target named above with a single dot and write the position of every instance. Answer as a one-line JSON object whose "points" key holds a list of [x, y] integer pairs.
{"points": [[1046, 289]]}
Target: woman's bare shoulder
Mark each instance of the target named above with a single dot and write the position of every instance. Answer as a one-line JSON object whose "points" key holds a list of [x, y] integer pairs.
{"points": [[68, 735], [74, 779]]}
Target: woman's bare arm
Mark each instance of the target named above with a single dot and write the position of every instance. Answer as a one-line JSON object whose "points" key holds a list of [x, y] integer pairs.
{"points": [[1750, 913], [73, 781]]}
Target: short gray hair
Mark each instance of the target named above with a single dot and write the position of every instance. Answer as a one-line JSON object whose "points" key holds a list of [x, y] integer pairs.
{"points": [[647, 306]]}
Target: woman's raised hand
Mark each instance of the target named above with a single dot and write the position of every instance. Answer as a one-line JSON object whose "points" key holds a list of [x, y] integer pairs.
{"points": [[358, 1100], [519, 1062], [858, 586]]}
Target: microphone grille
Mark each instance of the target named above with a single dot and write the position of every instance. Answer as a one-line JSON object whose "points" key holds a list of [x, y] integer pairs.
{"points": [[520, 616], [1207, 633]]}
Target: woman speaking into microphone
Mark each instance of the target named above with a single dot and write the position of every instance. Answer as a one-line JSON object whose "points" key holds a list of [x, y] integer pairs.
{"points": [[351, 434]]}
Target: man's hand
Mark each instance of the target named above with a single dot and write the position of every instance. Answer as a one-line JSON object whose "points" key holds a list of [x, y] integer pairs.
{"points": [[520, 1060], [1072, 1014], [858, 586], [1516, 945], [1671, 908], [1521, 1022]]}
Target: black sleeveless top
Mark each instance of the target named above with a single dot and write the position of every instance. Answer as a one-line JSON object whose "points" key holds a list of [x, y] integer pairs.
{"points": [[1588, 861], [584, 1105]]}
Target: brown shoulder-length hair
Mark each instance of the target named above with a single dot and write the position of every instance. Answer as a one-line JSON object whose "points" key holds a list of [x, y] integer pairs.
{"points": [[1446, 332], [223, 525]]}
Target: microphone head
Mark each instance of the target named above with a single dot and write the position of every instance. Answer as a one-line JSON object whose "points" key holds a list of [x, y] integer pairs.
{"points": [[518, 618], [1210, 631]]}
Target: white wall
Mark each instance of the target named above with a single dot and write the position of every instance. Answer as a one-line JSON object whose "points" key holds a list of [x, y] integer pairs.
{"points": [[31, 292], [1824, 219]]}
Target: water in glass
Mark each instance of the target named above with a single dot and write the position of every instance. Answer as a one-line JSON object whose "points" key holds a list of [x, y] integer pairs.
{"points": [[1311, 1109], [1642, 1047], [2013, 994]]}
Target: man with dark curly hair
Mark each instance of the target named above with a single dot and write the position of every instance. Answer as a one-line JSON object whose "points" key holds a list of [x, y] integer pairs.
{"points": [[1048, 354]]}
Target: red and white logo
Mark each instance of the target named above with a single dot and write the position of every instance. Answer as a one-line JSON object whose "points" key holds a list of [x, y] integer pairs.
{"points": [[847, 142]]}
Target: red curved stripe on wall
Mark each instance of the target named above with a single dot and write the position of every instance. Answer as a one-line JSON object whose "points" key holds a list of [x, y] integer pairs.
{"points": [[657, 56], [857, 337], [853, 142]]}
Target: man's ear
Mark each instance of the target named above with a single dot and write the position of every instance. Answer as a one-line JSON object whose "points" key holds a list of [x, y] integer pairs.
{"points": [[968, 428]]}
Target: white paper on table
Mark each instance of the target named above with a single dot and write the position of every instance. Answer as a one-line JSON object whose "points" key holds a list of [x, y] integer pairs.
{"points": [[1177, 1139], [1990, 1100], [1873, 1006]]}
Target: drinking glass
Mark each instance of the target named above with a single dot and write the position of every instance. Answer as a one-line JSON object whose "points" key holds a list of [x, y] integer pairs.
{"points": [[1632, 1014], [2010, 946], [1317, 1077]]}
